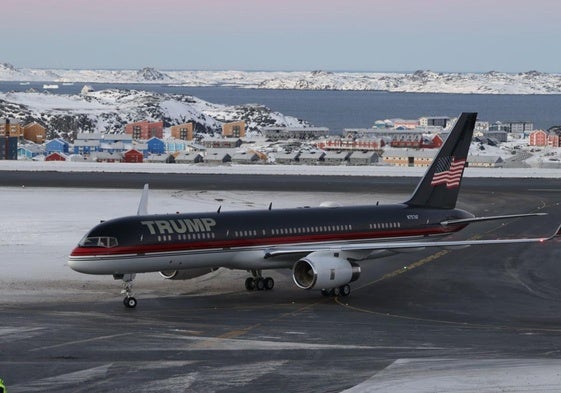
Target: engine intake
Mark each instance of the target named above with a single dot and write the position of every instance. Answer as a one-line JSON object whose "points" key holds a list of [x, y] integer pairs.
{"points": [[324, 270]]}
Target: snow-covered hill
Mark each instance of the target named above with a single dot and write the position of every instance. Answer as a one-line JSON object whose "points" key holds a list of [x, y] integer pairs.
{"points": [[109, 110], [493, 82]]}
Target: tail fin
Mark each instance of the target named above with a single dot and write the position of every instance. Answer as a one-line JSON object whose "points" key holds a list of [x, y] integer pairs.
{"points": [[440, 186]]}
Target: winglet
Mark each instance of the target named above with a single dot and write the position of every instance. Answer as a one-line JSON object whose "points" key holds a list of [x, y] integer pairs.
{"points": [[143, 205]]}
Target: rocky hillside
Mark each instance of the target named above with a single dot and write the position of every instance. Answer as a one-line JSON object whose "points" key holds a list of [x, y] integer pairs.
{"points": [[110, 110], [422, 81]]}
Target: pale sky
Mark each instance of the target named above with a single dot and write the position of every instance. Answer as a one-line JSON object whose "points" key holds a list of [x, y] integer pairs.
{"points": [[332, 35]]}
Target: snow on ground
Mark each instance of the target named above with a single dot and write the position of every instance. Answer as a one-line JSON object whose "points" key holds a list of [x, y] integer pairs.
{"points": [[493, 82], [465, 375]]}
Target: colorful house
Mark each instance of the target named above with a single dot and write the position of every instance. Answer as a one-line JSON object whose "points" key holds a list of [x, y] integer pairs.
{"points": [[183, 131], [56, 156], [30, 151], [34, 132], [133, 156], [234, 129], [156, 146], [57, 146], [145, 129]]}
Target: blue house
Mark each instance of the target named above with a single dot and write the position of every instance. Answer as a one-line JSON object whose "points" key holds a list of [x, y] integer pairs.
{"points": [[30, 151], [156, 146], [115, 143], [173, 145], [56, 146], [85, 147]]}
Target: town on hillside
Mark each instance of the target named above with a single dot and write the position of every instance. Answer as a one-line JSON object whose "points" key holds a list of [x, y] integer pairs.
{"points": [[395, 142]]}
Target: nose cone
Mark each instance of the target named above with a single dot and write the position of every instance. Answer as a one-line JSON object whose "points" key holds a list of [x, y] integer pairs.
{"points": [[74, 263], [78, 260]]}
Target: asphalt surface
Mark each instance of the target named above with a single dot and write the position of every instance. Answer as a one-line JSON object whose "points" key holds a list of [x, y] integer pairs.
{"points": [[489, 306], [250, 182]]}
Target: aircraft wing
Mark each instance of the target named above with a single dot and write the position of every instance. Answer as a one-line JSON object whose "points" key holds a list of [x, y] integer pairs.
{"points": [[401, 246], [490, 218], [143, 205]]}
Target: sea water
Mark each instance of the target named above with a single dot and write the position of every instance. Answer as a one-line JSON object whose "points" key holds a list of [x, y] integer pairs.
{"points": [[353, 109]]}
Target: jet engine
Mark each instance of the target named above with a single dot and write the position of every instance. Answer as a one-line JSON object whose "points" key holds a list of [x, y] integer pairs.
{"points": [[185, 274], [324, 270]]}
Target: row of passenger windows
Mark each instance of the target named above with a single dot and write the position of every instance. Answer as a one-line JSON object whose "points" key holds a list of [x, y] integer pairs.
{"points": [[295, 231], [314, 229], [246, 233], [280, 231], [188, 236], [385, 225]]}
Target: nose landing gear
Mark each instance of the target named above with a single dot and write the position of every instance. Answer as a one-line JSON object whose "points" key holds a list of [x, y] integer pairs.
{"points": [[129, 301]]}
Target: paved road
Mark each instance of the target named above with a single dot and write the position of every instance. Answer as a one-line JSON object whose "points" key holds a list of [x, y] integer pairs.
{"points": [[485, 306], [251, 182]]}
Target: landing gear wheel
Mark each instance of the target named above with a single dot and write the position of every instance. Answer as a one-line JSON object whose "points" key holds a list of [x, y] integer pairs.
{"points": [[260, 283], [250, 283], [130, 302], [345, 290], [269, 283]]}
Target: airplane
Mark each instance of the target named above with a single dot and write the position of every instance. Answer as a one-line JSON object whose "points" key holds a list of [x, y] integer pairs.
{"points": [[322, 245]]}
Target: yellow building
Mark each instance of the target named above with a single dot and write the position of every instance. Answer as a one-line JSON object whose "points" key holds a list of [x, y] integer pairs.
{"points": [[234, 130], [182, 131], [34, 132], [11, 128]]}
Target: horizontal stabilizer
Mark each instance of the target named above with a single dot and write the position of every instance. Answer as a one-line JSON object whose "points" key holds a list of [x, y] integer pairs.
{"points": [[490, 218]]}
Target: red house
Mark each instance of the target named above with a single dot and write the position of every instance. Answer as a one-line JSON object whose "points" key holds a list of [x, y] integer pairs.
{"points": [[145, 129], [543, 138], [538, 138], [432, 142], [133, 156], [55, 157]]}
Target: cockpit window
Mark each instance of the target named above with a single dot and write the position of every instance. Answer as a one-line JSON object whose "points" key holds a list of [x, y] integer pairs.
{"points": [[99, 241]]}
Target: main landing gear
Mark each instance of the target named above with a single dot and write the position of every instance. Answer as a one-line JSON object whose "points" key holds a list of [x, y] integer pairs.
{"points": [[259, 283], [129, 301], [344, 290]]}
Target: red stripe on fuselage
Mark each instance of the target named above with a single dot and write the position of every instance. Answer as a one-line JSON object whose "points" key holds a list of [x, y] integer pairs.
{"points": [[180, 245]]}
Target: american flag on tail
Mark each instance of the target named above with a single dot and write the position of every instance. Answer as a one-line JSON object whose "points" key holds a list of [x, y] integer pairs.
{"points": [[448, 171]]}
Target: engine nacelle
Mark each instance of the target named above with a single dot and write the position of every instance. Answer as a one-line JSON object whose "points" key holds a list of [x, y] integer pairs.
{"points": [[324, 270], [185, 274]]}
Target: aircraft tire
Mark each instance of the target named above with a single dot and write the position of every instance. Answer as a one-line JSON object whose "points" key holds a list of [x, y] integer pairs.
{"points": [[260, 283], [345, 290], [130, 302], [269, 283], [250, 284]]}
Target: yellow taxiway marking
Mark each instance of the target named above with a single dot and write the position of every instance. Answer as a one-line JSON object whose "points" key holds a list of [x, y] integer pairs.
{"points": [[80, 341], [431, 258], [422, 262]]}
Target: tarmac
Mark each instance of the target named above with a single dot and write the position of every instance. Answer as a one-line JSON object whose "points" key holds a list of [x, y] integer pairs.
{"points": [[481, 319]]}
